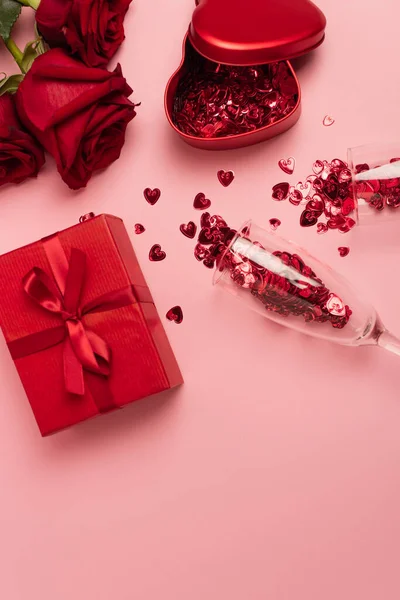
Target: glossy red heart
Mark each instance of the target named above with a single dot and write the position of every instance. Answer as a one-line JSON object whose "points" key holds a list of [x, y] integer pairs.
{"points": [[295, 197], [316, 205], [280, 191], [255, 32], [287, 165], [189, 229], [304, 188], [175, 314], [201, 202], [156, 254], [139, 228], [201, 252], [274, 224], [328, 121], [225, 177], [308, 218], [343, 251], [152, 196]]}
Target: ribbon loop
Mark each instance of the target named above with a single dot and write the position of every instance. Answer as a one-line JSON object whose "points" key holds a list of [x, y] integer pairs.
{"points": [[83, 349]]}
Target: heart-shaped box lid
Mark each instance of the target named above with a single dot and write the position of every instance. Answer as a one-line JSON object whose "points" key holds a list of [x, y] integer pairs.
{"points": [[249, 32]]}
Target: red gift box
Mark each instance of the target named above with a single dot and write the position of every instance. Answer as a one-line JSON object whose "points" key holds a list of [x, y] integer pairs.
{"points": [[81, 324]]}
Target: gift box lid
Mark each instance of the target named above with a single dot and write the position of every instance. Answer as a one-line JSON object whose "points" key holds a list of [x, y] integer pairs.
{"points": [[250, 32]]}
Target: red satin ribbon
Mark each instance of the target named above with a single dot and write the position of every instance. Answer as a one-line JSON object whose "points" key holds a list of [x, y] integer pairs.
{"points": [[83, 349]]}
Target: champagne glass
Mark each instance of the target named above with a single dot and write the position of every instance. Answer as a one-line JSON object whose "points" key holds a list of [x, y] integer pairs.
{"points": [[287, 285], [375, 170]]}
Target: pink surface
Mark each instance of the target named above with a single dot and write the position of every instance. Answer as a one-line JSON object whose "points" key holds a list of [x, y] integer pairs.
{"points": [[274, 472]]}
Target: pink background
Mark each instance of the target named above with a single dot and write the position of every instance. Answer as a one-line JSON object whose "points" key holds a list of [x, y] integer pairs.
{"points": [[274, 472]]}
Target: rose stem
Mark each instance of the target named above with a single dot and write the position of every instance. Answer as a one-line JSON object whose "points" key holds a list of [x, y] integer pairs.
{"points": [[15, 51]]}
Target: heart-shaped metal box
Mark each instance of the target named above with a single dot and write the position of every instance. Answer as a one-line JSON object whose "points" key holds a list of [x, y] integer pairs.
{"points": [[261, 34]]}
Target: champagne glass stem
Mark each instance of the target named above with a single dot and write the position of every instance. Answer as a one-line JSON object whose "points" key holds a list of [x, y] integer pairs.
{"points": [[389, 342]]}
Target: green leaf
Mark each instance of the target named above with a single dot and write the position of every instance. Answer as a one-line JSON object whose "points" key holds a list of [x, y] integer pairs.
{"points": [[31, 52], [10, 84], [9, 13], [42, 46]]}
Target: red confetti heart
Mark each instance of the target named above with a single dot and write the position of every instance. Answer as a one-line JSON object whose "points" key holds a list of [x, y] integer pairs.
{"points": [[274, 223], [304, 188], [175, 314], [201, 202], [343, 251], [201, 252], [225, 177], [156, 254], [152, 196], [308, 218], [209, 263], [280, 191], [287, 165], [322, 228], [139, 228], [328, 121], [188, 230], [316, 204], [295, 197]]}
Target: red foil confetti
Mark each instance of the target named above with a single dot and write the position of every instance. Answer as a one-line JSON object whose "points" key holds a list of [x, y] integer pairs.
{"points": [[139, 228], [280, 191], [152, 196], [326, 196], [287, 165], [328, 121], [281, 293], [274, 224], [189, 229], [201, 202], [343, 251], [175, 314], [156, 254], [225, 177], [215, 100]]}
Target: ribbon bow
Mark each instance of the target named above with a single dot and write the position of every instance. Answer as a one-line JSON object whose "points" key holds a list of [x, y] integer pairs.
{"points": [[83, 349]]}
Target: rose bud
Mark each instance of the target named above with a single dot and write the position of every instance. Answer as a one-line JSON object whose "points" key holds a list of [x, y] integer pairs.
{"points": [[20, 154]]}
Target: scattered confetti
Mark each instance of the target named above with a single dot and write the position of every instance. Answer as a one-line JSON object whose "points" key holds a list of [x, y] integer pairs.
{"points": [[328, 121], [215, 100], [326, 195], [201, 202], [152, 196], [343, 251], [305, 295], [280, 191], [225, 177], [287, 165], [139, 228], [274, 223], [156, 254], [175, 314], [189, 229]]}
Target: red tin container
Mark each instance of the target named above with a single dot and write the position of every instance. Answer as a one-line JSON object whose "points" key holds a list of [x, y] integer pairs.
{"points": [[247, 33]]}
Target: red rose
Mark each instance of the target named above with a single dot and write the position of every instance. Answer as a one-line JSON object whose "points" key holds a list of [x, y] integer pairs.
{"points": [[91, 29], [78, 113], [20, 155]]}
